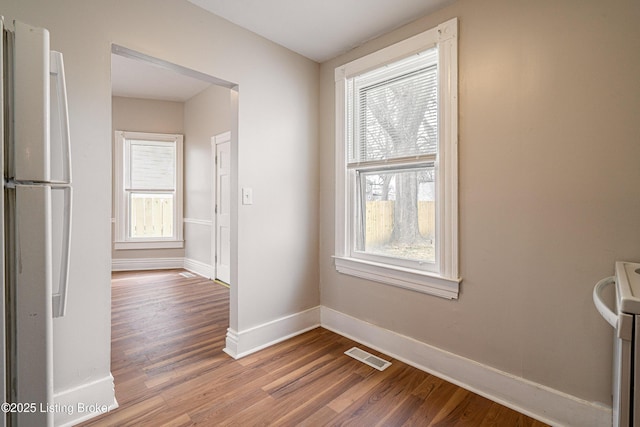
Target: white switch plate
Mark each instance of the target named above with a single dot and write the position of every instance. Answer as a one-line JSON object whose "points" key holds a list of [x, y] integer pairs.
{"points": [[247, 196]]}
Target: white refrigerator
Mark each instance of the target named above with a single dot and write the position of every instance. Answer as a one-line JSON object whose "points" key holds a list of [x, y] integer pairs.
{"points": [[36, 218]]}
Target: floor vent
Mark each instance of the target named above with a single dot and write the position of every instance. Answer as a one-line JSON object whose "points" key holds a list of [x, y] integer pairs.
{"points": [[368, 358], [187, 274]]}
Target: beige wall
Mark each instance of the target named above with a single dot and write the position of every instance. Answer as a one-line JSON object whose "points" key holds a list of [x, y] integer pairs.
{"points": [[146, 115], [205, 115], [549, 189]]}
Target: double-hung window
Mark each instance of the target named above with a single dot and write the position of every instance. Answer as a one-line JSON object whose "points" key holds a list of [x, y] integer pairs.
{"points": [[396, 164], [148, 190]]}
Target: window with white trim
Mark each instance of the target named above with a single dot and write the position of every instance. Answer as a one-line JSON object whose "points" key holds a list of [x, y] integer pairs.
{"points": [[396, 164], [148, 189]]}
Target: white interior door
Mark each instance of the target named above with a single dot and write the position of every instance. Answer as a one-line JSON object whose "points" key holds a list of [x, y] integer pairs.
{"points": [[223, 198]]}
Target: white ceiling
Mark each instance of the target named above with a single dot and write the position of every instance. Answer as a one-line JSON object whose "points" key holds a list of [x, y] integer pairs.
{"points": [[316, 29], [136, 78], [320, 29]]}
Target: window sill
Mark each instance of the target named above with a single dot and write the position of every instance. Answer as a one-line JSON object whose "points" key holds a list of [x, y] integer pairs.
{"points": [[155, 244], [415, 280]]}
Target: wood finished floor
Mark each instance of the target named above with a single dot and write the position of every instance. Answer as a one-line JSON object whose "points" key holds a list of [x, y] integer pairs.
{"points": [[168, 333]]}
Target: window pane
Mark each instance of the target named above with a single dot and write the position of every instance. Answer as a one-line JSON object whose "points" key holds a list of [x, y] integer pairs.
{"points": [[152, 165], [151, 215], [397, 214], [395, 111]]}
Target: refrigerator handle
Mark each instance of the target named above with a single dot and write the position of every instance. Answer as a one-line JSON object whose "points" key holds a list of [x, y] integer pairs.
{"points": [[60, 298], [605, 312], [57, 70]]}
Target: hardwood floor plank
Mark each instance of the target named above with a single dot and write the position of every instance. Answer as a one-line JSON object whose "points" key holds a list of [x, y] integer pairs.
{"points": [[313, 375], [319, 418], [243, 389], [471, 411], [251, 415], [399, 415], [382, 399], [442, 417], [331, 389], [359, 390], [168, 333], [435, 393], [221, 410], [498, 416], [182, 420]]}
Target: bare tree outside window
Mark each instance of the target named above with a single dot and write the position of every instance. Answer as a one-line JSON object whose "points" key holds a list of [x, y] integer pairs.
{"points": [[398, 119]]}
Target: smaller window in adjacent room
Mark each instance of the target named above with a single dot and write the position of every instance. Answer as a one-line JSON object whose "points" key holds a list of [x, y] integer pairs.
{"points": [[396, 164], [148, 187]]}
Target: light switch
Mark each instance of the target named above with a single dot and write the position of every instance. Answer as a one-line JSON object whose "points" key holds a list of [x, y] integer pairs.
{"points": [[247, 196]]}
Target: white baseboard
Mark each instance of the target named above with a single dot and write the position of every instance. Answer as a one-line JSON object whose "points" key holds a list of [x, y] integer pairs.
{"points": [[81, 403], [243, 343], [200, 268], [543, 403], [132, 264]]}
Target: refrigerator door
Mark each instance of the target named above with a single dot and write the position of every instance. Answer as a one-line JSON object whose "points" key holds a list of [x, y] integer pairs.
{"points": [[30, 272], [30, 160]]}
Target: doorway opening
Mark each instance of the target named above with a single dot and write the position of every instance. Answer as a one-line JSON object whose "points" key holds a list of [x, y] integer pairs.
{"points": [[153, 95], [156, 96]]}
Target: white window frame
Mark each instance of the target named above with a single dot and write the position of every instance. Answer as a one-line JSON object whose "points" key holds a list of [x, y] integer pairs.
{"points": [[443, 280], [122, 225]]}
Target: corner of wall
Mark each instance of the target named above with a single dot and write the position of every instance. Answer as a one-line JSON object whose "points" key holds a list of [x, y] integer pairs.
{"points": [[248, 341]]}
